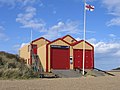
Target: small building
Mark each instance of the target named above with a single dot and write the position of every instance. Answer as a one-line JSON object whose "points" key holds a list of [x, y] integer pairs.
{"points": [[63, 53]]}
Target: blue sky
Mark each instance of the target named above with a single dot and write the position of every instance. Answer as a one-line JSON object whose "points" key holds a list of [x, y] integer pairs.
{"points": [[56, 18]]}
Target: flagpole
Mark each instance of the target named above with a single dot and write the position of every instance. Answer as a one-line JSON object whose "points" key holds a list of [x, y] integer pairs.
{"points": [[31, 36], [31, 46], [84, 38]]}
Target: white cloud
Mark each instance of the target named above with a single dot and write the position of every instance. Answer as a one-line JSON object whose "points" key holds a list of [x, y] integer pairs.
{"points": [[90, 0], [23, 44], [103, 47], [107, 54], [14, 3], [28, 20], [92, 40], [117, 53], [113, 7], [3, 37], [78, 39], [54, 11], [69, 27], [106, 48], [2, 28], [112, 35], [25, 2], [114, 21], [41, 4], [16, 47], [86, 0]]}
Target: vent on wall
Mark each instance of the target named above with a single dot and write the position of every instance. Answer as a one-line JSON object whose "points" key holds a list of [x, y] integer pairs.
{"points": [[72, 40]]}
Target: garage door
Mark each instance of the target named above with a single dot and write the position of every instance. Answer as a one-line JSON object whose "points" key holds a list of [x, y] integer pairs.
{"points": [[88, 59], [60, 58], [78, 59]]}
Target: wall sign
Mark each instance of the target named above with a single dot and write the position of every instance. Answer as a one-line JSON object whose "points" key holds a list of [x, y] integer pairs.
{"points": [[58, 46]]}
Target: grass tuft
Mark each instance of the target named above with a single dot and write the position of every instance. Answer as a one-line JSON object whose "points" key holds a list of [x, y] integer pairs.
{"points": [[14, 67]]}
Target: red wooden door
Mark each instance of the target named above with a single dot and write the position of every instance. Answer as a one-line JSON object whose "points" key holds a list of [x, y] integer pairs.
{"points": [[34, 49], [88, 59], [60, 58], [78, 59]]}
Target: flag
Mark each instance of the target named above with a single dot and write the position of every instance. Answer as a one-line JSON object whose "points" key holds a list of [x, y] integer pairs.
{"points": [[89, 7]]}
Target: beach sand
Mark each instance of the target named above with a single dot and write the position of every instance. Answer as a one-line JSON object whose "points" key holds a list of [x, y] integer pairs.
{"points": [[82, 83]]}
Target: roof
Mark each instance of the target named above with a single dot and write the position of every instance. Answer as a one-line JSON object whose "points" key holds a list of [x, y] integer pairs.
{"points": [[68, 36], [57, 40], [80, 42], [39, 39]]}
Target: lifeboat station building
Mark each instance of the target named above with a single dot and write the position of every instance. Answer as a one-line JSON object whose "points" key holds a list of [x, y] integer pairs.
{"points": [[61, 54]]}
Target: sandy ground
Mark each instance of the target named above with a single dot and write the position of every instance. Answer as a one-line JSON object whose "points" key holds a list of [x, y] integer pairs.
{"points": [[83, 83]]}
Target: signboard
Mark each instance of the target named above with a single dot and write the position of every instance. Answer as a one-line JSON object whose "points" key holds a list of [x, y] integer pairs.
{"points": [[58, 46]]}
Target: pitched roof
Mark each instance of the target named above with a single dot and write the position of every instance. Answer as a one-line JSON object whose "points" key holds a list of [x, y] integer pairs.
{"points": [[39, 39], [68, 36], [57, 40], [80, 42]]}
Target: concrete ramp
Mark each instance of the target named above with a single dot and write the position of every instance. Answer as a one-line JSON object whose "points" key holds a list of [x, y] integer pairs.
{"points": [[66, 73], [97, 72], [102, 72]]}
